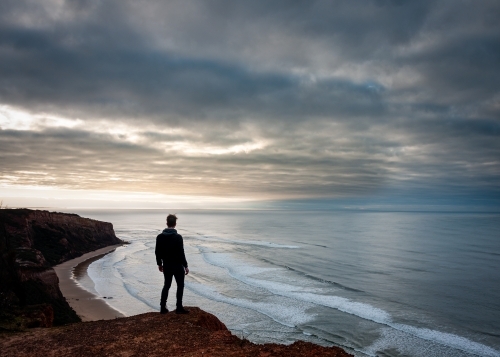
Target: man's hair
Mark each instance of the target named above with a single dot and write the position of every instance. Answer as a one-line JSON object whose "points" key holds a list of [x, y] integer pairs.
{"points": [[171, 220]]}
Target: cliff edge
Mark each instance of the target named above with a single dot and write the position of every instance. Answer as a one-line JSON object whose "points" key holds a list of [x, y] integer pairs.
{"points": [[196, 334], [31, 243]]}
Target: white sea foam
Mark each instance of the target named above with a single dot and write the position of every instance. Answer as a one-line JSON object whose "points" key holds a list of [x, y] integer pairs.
{"points": [[300, 290], [248, 274], [251, 275], [412, 345], [448, 339], [125, 276], [285, 314]]}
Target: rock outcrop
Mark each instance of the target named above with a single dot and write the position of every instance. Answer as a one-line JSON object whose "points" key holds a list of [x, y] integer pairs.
{"points": [[196, 334], [31, 242]]}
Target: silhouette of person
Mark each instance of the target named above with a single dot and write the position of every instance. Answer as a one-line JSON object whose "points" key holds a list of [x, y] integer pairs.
{"points": [[171, 262]]}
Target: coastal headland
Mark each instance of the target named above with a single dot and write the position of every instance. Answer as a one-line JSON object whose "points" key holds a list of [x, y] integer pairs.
{"points": [[41, 252]]}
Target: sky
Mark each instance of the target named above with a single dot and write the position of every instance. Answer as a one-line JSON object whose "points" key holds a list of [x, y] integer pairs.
{"points": [[217, 103]]}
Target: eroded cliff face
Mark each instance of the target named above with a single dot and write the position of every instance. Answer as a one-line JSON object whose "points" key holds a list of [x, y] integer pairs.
{"points": [[43, 239], [31, 242]]}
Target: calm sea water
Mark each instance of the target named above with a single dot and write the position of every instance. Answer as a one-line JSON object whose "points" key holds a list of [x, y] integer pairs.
{"points": [[375, 283]]}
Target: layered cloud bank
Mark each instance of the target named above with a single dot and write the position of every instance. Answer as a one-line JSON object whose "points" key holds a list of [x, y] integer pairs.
{"points": [[252, 99]]}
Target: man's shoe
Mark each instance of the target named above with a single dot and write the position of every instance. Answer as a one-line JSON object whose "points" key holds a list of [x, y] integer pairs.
{"points": [[181, 310], [163, 310]]}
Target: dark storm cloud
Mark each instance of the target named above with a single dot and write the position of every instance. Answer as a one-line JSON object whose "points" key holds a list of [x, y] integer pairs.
{"points": [[308, 97], [108, 62], [40, 70]]}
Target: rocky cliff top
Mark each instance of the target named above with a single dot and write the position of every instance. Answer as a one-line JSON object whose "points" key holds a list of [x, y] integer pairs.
{"points": [[42, 239], [196, 334]]}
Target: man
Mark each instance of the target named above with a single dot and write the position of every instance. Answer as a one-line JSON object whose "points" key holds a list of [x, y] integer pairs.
{"points": [[171, 262]]}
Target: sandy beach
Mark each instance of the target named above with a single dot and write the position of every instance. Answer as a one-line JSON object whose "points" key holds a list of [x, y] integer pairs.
{"points": [[87, 305]]}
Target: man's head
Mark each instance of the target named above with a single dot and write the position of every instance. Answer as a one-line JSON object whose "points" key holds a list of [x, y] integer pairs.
{"points": [[171, 220]]}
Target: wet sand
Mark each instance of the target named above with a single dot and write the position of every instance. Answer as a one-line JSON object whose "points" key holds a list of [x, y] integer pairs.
{"points": [[87, 305]]}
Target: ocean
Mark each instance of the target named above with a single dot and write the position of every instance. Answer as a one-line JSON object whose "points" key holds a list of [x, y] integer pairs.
{"points": [[374, 283]]}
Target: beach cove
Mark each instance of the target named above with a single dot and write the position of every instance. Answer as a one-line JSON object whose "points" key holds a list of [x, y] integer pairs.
{"points": [[87, 305]]}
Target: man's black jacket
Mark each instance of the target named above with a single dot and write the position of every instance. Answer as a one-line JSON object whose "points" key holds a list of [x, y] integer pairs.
{"points": [[170, 248]]}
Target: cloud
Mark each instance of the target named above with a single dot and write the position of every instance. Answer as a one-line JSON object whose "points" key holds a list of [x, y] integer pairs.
{"points": [[289, 99]]}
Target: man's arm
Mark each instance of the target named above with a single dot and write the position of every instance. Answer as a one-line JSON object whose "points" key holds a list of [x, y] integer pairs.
{"points": [[158, 254]]}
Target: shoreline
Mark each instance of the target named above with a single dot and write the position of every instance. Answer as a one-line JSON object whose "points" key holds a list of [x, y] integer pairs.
{"points": [[88, 306]]}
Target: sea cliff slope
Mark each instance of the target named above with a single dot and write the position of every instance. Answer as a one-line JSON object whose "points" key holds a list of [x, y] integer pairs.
{"points": [[31, 243]]}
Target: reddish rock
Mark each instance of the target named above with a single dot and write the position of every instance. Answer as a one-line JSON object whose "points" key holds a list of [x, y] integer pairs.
{"points": [[196, 334]]}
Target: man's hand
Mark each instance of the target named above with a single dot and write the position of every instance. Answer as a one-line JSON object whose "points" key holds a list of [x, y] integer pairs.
{"points": [[160, 268], [186, 271]]}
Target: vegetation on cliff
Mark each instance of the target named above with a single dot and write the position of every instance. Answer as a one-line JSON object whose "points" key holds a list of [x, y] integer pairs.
{"points": [[31, 242]]}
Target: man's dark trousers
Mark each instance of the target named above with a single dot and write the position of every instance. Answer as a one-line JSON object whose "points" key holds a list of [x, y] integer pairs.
{"points": [[176, 271]]}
